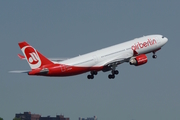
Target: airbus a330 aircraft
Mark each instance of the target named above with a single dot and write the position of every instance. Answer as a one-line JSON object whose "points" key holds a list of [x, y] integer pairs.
{"points": [[106, 59]]}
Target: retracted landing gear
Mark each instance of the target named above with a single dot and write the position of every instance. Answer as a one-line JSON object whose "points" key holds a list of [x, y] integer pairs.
{"points": [[114, 72], [91, 76]]}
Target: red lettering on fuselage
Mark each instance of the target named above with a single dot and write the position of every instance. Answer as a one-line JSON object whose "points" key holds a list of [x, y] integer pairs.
{"points": [[139, 45]]}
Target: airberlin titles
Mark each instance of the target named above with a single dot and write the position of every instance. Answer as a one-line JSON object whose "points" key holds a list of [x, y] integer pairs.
{"points": [[139, 45]]}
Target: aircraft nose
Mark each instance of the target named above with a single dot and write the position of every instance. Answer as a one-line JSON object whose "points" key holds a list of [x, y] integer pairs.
{"points": [[165, 39]]}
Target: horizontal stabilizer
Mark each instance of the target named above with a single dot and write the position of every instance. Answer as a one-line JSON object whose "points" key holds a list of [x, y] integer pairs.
{"points": [[20, 71], [21, 56]]}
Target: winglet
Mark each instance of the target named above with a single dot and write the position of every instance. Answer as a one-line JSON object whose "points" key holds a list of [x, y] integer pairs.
{"points": [[21, 56]]}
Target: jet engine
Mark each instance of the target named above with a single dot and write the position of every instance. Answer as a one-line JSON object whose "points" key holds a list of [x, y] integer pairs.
{"points": [[138, 60]]}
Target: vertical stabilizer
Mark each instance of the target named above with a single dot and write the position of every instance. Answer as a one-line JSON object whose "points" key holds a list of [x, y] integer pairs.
{"points": [[33, 57]]}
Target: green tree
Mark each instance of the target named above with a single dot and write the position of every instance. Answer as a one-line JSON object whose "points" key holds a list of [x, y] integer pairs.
{"points": [[1, 118], [17, 118]]}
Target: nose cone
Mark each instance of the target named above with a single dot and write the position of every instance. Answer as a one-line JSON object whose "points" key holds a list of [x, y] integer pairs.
{"points": [[165, 40]]}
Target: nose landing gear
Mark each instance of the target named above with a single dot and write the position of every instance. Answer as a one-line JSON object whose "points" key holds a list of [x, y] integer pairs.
{"points": [[154, 55]]}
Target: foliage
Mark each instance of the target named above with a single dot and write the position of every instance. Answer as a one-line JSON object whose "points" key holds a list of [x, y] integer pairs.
{"points": [[1, 118], [17, 118]]}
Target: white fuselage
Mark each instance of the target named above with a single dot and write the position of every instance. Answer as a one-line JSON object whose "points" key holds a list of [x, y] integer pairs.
{"points": [[104, 60], [119, 52]]}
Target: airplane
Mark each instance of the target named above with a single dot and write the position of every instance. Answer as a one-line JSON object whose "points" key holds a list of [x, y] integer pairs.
{"points": [[107, 59]]}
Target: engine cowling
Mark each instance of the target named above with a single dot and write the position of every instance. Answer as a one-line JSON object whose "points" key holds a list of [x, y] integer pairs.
{"points": [[138, 60]]}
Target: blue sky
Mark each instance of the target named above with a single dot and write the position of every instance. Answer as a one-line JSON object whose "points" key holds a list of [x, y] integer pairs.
{"points": [[69, 28]]}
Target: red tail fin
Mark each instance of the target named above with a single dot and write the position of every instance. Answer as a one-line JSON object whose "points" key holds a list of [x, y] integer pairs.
{"points": [[33, 57]]}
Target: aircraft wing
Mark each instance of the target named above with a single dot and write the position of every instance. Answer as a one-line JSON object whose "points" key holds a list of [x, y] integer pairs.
{"points": [[116, 61], [57, 59]]}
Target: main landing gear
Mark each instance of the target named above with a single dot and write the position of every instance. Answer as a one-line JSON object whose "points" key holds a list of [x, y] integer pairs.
{"points": [[114, 72], [91, 76]]}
